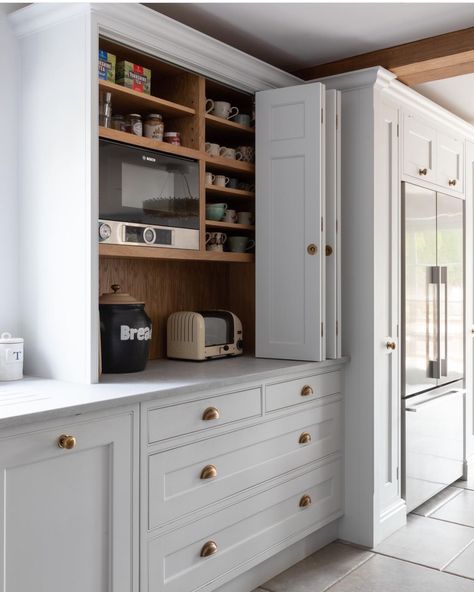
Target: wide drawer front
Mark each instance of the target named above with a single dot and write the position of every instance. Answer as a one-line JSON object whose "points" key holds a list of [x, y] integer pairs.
{"points": [[191, 477], [302, 390], [184, 560], [186, 418]]}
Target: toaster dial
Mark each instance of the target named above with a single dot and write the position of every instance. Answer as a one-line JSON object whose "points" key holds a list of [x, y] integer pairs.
{"points": [[149, 235], [105, 232]]}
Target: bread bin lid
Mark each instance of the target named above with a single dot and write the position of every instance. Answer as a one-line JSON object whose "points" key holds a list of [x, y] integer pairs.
{"points": [[117, 297], [7, 338]]}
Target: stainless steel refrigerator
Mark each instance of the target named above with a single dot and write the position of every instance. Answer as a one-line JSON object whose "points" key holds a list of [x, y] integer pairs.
{"points": [[432, 341]]}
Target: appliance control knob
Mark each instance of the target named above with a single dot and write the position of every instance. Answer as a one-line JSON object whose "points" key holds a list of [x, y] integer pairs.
{"points": [[149, 235], [240, 344], [226, 348], [105, 231]]}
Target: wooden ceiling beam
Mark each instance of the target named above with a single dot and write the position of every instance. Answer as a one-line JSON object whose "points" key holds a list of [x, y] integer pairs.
{"points": [[433, 58]]}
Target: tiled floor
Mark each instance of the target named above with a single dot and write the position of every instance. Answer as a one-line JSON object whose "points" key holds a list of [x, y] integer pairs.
{"points": [[434, 552]]}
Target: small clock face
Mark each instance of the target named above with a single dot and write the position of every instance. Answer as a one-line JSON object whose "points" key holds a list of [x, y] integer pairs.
{"points": [[104, 231], [149, 235]]}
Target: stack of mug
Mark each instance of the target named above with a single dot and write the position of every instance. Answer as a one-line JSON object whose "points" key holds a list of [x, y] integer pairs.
{"points": [[243, 153], [215, 241], [225, 110]]}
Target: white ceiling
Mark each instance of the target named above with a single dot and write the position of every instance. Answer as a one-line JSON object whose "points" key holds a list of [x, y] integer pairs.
{"points": [[455, 94], [296, 35]]}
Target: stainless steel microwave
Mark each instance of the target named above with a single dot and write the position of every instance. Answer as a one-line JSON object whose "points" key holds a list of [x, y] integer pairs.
{"points": [[147, 198]]}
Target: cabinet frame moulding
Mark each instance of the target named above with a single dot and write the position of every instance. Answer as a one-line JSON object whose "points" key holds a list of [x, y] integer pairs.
{"points": [[139, 252]]}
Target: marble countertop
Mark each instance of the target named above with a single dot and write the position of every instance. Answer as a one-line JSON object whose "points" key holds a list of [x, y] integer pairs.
{"points": [[34, 399]]}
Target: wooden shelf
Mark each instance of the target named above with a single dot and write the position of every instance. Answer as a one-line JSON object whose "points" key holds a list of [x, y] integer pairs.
{"points": [[148, 143], [219, 163], [138, 252], [228, 192], [229, 225], [125, 100], [227, 125]]}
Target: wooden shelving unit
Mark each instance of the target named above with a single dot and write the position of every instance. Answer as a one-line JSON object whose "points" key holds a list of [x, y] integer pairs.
{"points": [[139, 252], [228, 126], [228, 192], [229, 165], [229, 225]]}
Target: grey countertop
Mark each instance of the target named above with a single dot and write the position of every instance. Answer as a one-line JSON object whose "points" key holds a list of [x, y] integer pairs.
{"points": [[34, 399]]}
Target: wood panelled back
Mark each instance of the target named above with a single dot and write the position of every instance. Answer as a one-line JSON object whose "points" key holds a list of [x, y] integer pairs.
{"points": [[170, 286]]}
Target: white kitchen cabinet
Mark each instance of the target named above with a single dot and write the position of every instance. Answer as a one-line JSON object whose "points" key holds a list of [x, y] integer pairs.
{"points": [[69, 516], [290, 258], [450, 161], [419, 148]]}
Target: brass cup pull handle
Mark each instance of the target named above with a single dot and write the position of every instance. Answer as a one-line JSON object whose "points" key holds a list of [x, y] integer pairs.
{"points": [[452, 182], [209, 472], [67, 442], [423, 171], [305, 438], [307, 390], [391, 345], [208, 549], [305, 501], [328, 250], [210, 413], [312, 249]]}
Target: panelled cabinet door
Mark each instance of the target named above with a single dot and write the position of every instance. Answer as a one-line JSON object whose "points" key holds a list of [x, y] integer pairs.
{"points": [[450, 162], [290, 228], [66, 513], [419, 149], [333, 224]]}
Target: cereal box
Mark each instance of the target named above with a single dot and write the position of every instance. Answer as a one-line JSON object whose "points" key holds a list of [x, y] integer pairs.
{"points": [[106, 66], [134, 76]]}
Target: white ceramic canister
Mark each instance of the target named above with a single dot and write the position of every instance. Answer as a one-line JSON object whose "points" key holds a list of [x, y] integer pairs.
{"points": [[11, 357]]}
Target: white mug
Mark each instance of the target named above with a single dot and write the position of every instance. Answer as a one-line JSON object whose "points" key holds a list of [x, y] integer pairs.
{"points": [[11, 357], [221, 180], [248, 153], [230, 216], [209, 105], [212, 149], [230, 153], [245, 218], [210, 178], [223, 109]]}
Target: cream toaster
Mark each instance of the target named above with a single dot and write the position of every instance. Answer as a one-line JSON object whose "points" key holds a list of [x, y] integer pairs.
{"points": [[204, 335]]}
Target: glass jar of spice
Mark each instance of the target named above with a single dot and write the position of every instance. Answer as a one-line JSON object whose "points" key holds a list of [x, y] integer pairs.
{"points": [[173, 138], [134, 120], [154, 127], [118, 123]]}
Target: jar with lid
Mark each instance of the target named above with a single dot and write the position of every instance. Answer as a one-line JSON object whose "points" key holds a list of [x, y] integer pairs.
{"points": [[118, 123], [173, 138], [154, 127], [134, 120]]}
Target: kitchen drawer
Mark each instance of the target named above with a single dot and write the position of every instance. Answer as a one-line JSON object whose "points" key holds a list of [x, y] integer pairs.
{"points": [[302, 390], [243, 531], [187, 418], [177, 482]]}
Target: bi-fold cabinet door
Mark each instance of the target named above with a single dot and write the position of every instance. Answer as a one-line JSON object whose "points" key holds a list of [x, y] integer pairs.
{"points": [[291, 254]]}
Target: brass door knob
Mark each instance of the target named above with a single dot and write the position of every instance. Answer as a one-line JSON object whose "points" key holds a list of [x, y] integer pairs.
{"points": [[67, 442], [208, 549], [210, 413], [452, 182], [391, 345], [307, 390], [305, 501], [312, 249], [423, 171], [209, 472], [305, 438], [328, 250]]}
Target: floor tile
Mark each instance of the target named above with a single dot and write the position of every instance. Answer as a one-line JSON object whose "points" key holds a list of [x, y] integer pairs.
{"points": [[319, 571], [463, 565], [384, 574], [469, 484], [437, 501], [460, 509], [426, 541]]}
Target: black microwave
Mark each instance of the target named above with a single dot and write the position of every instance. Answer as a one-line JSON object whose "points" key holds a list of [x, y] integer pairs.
{"points": [[147, 198]]}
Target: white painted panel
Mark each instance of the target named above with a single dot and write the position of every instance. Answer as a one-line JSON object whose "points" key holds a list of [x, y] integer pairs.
{"points": [[450, 162], [419, 148], [290, 210], [469, 307]]}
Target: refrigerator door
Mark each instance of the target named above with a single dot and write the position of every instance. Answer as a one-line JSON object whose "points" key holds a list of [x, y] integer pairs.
{"points": [[450, 211], [420, 286]]}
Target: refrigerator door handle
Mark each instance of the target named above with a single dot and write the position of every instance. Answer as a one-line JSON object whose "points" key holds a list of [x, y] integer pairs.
{"points": [[443, 278], [434, 364], [419, 406]]}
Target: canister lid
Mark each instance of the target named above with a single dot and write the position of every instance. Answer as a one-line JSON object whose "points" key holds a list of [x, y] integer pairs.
{"points": [[7, 338], [115, 297]]}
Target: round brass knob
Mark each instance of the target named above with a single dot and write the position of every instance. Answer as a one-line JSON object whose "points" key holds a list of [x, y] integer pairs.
{"points": [[423, 171], [391, 345], [452, 182], [312, 249], [305, 438], [307, 390], [67, 442], [210, 413], [305, 501], [328, 250], [209, 472], [208, 549]]}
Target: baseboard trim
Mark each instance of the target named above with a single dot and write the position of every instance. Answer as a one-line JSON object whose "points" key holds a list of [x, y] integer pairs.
{"points": [[261, 573], [391, 520]]}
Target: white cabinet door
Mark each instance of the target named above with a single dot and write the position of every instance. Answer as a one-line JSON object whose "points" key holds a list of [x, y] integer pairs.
{"points": [[450, 162], [67, 515], [419, 149], [290, 227], [333, 224]]}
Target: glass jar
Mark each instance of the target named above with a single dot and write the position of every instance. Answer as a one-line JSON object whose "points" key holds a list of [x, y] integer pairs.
{"points": [[134, 120], [118, 123], [172, 138], [154, 127]]}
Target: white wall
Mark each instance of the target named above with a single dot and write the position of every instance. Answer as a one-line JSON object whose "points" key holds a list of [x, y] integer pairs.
{"points": [[9, 60]]}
